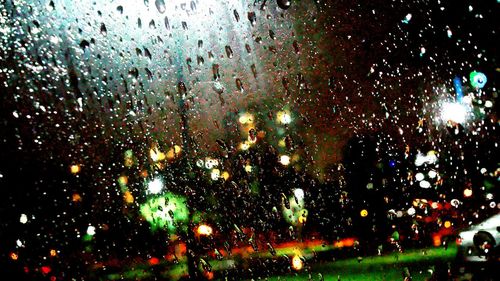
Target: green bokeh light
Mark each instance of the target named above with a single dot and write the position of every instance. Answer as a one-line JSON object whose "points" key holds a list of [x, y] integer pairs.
{"points": [[165, 211]]}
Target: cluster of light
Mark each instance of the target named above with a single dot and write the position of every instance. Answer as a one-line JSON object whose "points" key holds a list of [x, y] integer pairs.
{"points": [[297, 262], [432, 174], [211, 163], [425, 184], [299, 194], [293, 207], [129, 158], [123, 181], [174, 152], [363, 213], [91, 230], [128, 197], [477, 79], [76, 197], [454, 112], [467, 192], [156, 155], [430, 158], [284, 160], [23, 219], [225, 175], [164, 211], [246, 118], [245, 145], [155, 186], [215, 174], [248, 168], [284, 117], [75, 169], [204, 230]]}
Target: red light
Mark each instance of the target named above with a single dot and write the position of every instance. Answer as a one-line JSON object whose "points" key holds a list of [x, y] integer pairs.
{"points": [[46, 269], [154, 261], [459, 240]]}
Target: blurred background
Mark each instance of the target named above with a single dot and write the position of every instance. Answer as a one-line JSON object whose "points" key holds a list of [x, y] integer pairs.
{"points": [[232, 139]]}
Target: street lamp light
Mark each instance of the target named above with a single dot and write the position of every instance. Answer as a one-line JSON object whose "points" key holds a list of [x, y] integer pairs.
{"points": [[455, 112]]}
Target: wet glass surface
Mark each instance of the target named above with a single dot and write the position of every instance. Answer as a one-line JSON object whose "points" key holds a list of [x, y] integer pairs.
{"points": [[240, 140]]}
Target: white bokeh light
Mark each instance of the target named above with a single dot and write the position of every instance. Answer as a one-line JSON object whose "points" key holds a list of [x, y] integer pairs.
{"points": [[155, 186], [455, 112]]}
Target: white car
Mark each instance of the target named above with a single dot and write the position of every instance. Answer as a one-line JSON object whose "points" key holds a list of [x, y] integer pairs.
{"points": [[480, 242]]}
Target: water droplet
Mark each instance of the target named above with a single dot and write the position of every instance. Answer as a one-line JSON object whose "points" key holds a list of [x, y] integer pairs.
{"points": [[252, 17], [254, 70], [149, 74], [160, 5], [239, 85], [247, 47], [120, 9], [152, 24], [139, 23], [51, 6], [236, 15], [104, 31], [284, 4], [218, 87], [200, 44], [200, 60], [296, 47], [167, 24], [134, 72], [193, 6], [215, 70], [272, 35], [184, 25], [229, 51], [84, 44]]}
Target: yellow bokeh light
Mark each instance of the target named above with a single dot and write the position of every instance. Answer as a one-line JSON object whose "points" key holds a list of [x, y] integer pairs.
{"points": [[129, 162], [281, 143], [53, 253], [174, 152], [225, 175], [204, 230], [248, 168], [123, 180], [364, 213], [297, 263], [244, 145], [75, 169], [447, 224], [215, 174], [246, 118], [128, 197], [156, 155], [468, 192]]}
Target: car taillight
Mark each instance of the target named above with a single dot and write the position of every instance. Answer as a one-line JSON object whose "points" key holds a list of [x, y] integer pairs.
{"points": [[459, 240]]}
